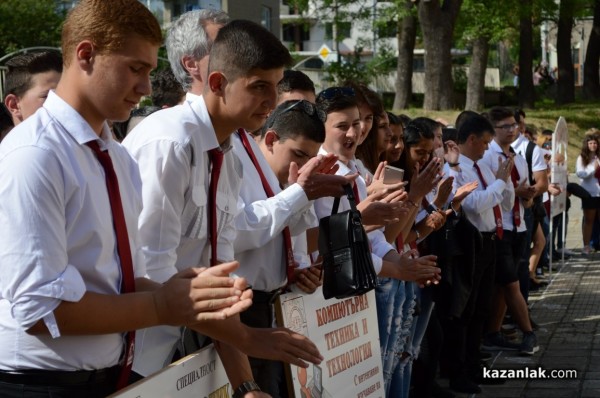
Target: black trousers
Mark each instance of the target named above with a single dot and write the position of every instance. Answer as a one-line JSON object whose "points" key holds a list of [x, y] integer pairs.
{"points": [[48, 386]]}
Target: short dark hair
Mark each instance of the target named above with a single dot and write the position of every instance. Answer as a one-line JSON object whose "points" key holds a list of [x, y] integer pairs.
{"points": [[364, 95], [498, 113], [23, 67], [166, 90], [121, 129], [473, 124], [337, 102], [291, 121], [464, 115], [295, 80], [241, 46], [6, 122]]}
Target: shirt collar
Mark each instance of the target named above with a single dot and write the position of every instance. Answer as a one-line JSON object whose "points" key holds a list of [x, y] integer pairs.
{"points": [[73, 123], [343, 169], [206, 133], [191, 97], [465, 161]]}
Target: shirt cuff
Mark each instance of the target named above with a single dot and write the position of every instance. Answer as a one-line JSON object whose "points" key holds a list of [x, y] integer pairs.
{"points": [[296, 198], [30, 308]]}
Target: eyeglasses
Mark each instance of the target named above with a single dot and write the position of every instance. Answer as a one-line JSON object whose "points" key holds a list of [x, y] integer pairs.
{"points": [[332, 92], [508, 127], [307, 107]]}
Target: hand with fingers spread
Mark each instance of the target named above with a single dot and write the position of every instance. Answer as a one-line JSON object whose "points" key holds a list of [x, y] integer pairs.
{"points": [[504, 168], [280, 344], [463, 191], [385, 211], [452, 152], [443, 192], [317, 177], [418, 269], [378, 187], [422, 182], [201, 294]]}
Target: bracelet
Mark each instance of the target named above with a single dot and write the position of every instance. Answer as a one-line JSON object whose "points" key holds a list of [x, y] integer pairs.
{"points": [[453, 164], [410, 202], [245, 388]]}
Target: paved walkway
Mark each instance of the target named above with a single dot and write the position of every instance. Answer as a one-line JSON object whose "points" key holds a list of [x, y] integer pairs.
{"points": [[568, 312]]}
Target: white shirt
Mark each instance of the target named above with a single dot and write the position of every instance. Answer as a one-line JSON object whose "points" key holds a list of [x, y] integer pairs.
{"points": [[586, 176], [323, 206], [490, 158], [259, 246], [171, 147], [537, 158], [59, 239], [479, 204]]}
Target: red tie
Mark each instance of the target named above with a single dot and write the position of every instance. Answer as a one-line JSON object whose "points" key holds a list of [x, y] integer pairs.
{"points": [[515, 177], [123, 249], [497, 211], [400, 243], [287, 237], [216, 160]]}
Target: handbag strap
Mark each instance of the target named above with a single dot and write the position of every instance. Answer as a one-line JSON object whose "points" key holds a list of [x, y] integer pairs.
{"points": [[351, 199]]}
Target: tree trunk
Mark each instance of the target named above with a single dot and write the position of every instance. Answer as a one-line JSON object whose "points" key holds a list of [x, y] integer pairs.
{"points": [[526, 90], [566, 78], [407, 34], [476, 82], [437, 24], [591, 72]]}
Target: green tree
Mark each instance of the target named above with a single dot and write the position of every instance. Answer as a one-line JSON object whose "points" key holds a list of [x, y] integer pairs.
{"points": [[28, 23], [591, 69]]}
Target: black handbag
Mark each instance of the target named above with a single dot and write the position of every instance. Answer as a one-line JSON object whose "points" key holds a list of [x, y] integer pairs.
{"points": [[344, 246]]}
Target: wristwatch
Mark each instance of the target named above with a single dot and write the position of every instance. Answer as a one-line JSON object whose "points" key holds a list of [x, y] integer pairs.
{"points": [[245, 388]]}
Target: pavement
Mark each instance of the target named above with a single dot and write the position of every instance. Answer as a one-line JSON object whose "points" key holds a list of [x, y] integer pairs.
{"points": [[568, 314]]}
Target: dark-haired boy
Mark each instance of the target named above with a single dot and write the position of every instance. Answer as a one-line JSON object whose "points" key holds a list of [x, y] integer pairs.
{"points": [[188, 204], [73, 279], [512, 245], [295, 85], [273, 219], [483, 208], [29, 79]]}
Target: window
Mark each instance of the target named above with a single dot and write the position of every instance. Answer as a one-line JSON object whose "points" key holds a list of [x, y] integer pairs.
{"points": [[265, 17], [289, 32]]}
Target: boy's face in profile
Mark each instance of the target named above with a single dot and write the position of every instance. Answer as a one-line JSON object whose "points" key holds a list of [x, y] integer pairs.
{"points": [[282, 153], [249, 99], [33, 99]]}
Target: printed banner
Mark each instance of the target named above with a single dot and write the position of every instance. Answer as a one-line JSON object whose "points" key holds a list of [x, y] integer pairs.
{"points": [[346, 333], [559, 172], [200, 375]]}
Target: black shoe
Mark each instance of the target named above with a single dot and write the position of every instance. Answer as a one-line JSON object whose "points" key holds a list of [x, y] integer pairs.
{"points": [[465, 385]]}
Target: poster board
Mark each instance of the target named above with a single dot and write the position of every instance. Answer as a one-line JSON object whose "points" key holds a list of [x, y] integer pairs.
{"points": [[199, 375], [559, 172], [346, 333]]}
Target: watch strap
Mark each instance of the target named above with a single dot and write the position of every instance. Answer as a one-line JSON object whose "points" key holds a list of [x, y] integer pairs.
{"points": [[245, 388]]}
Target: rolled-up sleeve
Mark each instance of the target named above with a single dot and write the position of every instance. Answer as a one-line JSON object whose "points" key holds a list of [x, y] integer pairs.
{"points": [[35, 275]]}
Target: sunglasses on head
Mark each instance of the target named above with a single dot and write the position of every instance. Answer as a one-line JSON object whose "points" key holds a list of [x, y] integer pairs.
{"points": [[333, 92], [307, 107]]}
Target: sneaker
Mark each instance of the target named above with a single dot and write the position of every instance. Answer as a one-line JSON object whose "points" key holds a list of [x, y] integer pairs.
{"points": [[586, 250], [496, 341], [529, 345]]}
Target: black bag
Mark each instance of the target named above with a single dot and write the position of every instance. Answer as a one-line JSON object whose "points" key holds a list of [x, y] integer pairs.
{"points": [[344, 245]]}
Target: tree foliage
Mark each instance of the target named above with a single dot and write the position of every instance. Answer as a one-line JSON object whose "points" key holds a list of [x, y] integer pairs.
{"points": [[28, 23]]}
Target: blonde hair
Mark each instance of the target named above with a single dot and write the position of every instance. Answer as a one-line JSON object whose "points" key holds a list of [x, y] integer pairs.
{"points": [[108, 24]]}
